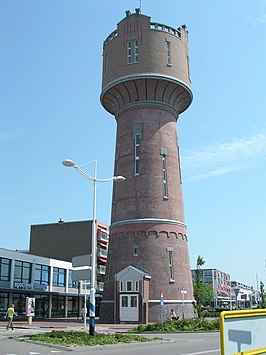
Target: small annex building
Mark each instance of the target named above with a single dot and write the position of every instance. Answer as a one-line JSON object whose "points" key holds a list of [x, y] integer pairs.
{"points": [[132, 295]]}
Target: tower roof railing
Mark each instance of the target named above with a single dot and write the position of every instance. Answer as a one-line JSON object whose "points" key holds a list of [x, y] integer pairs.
{"points": [[110, 37], [165, 28], [153, 26]]}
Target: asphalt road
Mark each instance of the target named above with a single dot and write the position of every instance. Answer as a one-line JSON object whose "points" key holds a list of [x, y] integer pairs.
{"points": [[176, 344]]}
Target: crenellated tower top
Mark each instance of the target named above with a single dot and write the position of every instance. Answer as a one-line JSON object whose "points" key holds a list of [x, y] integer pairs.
{"points": [[145, 61]]}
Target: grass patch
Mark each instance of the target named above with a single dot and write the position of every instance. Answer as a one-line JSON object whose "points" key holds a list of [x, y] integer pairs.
{"points": [[68, 338], [186, 325]]}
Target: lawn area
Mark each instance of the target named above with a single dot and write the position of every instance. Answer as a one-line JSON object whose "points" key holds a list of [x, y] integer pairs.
{"points": [[70, 338]]}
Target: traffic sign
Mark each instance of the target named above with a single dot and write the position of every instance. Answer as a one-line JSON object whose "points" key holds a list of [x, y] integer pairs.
{"points": [[81, 260], [161, 299], [81, 275]]}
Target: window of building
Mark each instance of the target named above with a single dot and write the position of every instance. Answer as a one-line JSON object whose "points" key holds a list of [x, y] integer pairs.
{"points": [[22, 271], [3, 302], [129, 52], [171, 264], [71, 283], [168, 46], [179, 167], [136, 286], [124, 301], [115, 182], [133, 301], [165, 189], [105, 64], [136, 51], [135, 252], [59, 277], [42, 273], [188, 68], [4, 269], [129, 286], [132, 51], [121, 286], [137, 145]]}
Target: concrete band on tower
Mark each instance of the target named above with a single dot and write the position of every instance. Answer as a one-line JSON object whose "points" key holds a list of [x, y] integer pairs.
{"points": [[146, 85]]}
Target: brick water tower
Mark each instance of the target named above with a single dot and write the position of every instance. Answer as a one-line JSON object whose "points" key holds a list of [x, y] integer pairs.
{"points": [[146, 85]]}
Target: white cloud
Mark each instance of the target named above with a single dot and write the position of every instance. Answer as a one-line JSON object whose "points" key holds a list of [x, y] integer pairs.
{"points": [[217, 172], [224, 158], [10, 136], [260, 19]]}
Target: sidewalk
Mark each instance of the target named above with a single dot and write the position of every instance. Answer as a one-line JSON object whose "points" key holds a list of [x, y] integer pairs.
{"points": [[66, 324]]}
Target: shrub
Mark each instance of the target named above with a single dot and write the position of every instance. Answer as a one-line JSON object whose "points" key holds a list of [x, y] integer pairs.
{"points": [[192, 325]]}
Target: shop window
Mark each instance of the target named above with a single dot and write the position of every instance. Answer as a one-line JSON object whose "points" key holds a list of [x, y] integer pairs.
{"points": [[59, 277], [71, 283], [41, 274], [3, 302], [22, 271], [4, 269]]}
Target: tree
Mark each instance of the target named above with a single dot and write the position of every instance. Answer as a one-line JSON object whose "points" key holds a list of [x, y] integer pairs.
{"points": [[263, 295], [203, 293]]}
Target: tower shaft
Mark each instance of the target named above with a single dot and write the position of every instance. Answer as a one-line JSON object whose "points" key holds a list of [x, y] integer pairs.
{"points": [[146, 86]]}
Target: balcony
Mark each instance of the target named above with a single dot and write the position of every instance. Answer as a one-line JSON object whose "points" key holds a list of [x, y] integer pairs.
{"points": [[101, 269], [102, 235], [100, 286], [102, 253]]}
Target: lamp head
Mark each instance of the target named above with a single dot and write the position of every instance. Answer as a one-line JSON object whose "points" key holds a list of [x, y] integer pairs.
{"points": [[68, 163], [119, 178]]}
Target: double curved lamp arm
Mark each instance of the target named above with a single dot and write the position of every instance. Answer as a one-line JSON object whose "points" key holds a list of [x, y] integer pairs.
{"points": [[71, 164]]}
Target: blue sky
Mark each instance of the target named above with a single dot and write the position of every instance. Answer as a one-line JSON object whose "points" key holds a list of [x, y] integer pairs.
{"points": [[50, 83]]}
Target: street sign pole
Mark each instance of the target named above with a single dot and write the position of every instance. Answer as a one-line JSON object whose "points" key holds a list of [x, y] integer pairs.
{"points": [[85, 307], [161, 306]]}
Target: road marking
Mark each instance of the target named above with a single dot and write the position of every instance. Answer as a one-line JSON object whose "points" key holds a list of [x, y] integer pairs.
{"points": [[204, 352], [31, 353]]}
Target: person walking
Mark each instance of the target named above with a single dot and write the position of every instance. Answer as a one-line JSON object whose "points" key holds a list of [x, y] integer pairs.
{"points": [[10, 315]]}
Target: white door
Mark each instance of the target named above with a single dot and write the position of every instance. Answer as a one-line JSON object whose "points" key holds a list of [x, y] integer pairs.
{"points": [[129, 308]]}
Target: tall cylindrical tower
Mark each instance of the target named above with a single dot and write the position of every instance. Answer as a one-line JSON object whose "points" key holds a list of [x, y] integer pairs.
{"points": [[146, 85]]}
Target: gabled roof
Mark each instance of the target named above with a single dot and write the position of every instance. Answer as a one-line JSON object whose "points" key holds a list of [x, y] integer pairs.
{"points": [[138, 270]]}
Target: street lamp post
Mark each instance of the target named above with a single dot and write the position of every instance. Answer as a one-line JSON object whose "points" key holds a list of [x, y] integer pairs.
{"points": [[70, 163]]}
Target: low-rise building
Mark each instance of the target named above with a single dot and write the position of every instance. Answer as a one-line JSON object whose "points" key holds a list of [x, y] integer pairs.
{"points": [[48, 281], [219, 281], [65, 240]]}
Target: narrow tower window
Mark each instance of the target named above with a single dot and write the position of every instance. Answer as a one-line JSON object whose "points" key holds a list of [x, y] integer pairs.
{"points": [[165, 190], [105, 64], [128, 52], [115, 182], [171, 266], [132, 51], [137, 154], [136, 51], [168, 46], [135, 252]]}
